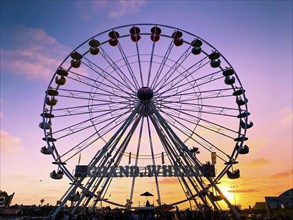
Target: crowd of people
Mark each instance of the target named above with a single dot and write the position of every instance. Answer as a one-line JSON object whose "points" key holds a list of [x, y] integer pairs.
{"points": [[149, 215], [147, 212]]}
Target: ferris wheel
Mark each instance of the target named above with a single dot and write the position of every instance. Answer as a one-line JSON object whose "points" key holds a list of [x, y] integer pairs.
{"points": [[136, 105]]}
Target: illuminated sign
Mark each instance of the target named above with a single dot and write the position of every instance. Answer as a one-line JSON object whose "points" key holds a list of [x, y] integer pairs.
{"points": [[136, 171]]}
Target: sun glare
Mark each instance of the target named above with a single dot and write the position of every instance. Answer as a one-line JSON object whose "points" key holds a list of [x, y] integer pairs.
{"points": [[228, 192]]}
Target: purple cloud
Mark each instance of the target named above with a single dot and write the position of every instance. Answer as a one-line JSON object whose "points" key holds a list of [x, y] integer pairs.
{"points": [[36, 56]]}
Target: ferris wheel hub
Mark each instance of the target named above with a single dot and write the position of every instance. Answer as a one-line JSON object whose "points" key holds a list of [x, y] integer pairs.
{"points": [[145, 93]]}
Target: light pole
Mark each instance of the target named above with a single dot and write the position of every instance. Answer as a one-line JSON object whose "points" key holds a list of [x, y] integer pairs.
{"points": [[233, 189]]}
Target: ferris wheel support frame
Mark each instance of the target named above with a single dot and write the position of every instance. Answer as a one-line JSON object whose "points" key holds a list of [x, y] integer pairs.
{"points": [[172, 137]]}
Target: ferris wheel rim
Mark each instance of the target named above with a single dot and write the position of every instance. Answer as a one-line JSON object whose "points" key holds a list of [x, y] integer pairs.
{"points": [[241, 131]]}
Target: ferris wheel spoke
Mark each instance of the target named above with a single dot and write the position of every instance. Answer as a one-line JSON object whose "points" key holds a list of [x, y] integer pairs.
{"points": [[194, 83], [78, 148], [162, 65], [73, 129], [77, 109], [106, 75], [99, 102], [97, 108], [151, 63], [201, 98], [208, 144], [199, 94], [178, 63], [112, 121], [190, 117], [111, 96], [128, 66], [120, 129], [98, 105], [139, 63], [221, 111], [103, 101], [213, 127], [92, 83], [84, 144], [117, 70], [188, 72], [189, 102]]}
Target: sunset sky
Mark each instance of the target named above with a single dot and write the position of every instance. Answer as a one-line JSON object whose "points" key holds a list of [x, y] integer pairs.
{"points": [[255, 37]]}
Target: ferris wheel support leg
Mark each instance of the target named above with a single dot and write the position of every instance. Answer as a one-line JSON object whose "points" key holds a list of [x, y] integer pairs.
{"points": [[87, 200], [76, 206], [172, 138], [90, 184], [170, 153], [154, 162], [175, 139], [170, 132], [205, 190], [136, 160], [231, 207], [65, 199]]}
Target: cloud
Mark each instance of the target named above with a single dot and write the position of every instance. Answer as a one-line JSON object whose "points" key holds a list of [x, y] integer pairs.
{"points": [[169, 181], [259, 142], [36, 54], [10, 144], [259, 162], [286, 116], [89, 10], [281, 175], [242, 190], [125, 7]]}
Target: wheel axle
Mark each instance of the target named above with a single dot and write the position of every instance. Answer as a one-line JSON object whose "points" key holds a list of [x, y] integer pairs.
{"points": [[145, 93]]}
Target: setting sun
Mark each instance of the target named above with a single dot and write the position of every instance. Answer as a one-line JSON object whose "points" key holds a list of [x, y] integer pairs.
{"points": [[229, 194]]}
